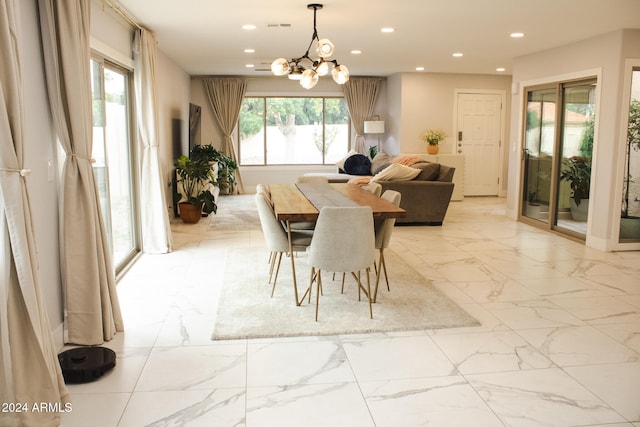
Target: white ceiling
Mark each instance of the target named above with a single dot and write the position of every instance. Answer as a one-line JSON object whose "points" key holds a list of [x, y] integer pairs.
{"points": [[205, 36]]}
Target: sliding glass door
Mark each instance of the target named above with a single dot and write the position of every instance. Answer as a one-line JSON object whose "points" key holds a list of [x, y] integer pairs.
{"points": [[113, 154], [558, 146], [538, 153]]}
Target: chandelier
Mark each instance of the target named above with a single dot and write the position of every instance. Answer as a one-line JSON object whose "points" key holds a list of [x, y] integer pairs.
{"points": [[308, 70]]}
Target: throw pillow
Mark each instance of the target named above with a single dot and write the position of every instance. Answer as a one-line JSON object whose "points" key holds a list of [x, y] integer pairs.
{"points": [[378, 161], [340, 163], [358, 164], [408, 159], [381, 168], [396, 172], [428, 171]]}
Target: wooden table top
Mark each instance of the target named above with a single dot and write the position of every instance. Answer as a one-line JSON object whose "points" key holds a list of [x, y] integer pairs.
{"points": [[291, 204]]}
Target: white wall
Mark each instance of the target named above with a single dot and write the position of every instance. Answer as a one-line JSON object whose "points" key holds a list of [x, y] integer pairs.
{"points": [[39, 149], [602, 57]]}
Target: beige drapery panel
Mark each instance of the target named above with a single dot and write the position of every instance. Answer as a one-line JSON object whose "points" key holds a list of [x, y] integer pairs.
{"points": [[360, 94], [225, 96], [29, 368], [93, 310], [156, 231]]}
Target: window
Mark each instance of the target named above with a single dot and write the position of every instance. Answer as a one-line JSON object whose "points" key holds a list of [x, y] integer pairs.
{"points": [[293, 131], [113, 153]]}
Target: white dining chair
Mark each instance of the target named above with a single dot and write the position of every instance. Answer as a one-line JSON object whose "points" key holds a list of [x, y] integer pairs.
{"points": [[383, 229], [277, 240], [343, 242], [373, 187]]}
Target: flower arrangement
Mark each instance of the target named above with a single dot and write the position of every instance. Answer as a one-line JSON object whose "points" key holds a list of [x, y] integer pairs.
{"points": [[433, 136]]}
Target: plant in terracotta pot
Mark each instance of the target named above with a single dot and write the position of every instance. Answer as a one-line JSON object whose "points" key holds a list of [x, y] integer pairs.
{"points": [[433, 137], [194, 196]]}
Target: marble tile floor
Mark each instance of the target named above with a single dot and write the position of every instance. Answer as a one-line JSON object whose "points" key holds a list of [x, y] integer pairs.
{"points": [[558, 345]]}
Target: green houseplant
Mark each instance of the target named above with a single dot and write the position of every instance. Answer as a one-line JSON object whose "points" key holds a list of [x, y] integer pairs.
{"points": [[193, 195], [226, 178], [576, 171]]}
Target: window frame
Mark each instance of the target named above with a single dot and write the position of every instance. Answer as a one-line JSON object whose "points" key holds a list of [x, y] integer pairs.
{"points": [[265, 162]]}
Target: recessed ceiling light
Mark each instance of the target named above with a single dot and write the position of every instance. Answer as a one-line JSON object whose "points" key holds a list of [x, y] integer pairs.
{"points": [[356, 52], [249, 65], [517, 35], [249, 51], [248, 27], [500, 69], [419, 68], [387, 30], [458, 55]]}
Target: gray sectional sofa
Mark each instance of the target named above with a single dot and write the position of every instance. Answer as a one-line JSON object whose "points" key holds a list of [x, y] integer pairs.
{"points": [[425, 198]]}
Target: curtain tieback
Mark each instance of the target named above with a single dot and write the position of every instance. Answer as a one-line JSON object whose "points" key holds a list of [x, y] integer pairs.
{"points": [[78, 156], [22, 172]]}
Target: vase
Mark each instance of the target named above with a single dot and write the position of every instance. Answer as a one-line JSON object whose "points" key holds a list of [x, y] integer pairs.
{"points": [[579, 212], [189, 213], [433, 149]]}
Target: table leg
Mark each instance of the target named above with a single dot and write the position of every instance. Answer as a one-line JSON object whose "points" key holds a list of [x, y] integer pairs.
{"points": [[293, 264]]}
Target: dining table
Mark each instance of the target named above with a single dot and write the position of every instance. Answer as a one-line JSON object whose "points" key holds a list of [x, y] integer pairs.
{"points": [[302, 202]]}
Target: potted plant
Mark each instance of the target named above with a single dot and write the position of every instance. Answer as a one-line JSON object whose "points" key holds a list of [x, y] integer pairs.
{"points": [[433, 137], [225, 179], [193, 194], [577, 171]]}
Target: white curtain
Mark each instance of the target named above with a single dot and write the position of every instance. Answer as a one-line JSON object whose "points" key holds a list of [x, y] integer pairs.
{"points": [[92, 307], [225, 96], [29, 368], [360, 94], [156, 231]]}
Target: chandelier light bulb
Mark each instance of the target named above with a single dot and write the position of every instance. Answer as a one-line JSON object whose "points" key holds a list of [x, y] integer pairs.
{"points": [[280, 67], [324, 48], [309, 79], [340, 74], [323, 68]]}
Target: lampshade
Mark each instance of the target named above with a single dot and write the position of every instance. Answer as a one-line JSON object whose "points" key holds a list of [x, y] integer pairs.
{"points": [[280, 67], [309, 79], [324, 48], [340, 74], [323, 68], [376, 126]]}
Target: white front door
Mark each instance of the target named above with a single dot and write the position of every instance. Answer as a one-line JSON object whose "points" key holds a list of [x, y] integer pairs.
{"points": [[479, 130]]}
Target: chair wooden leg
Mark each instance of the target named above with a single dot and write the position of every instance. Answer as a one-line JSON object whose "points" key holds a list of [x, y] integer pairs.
{"points": [[342, 290]]}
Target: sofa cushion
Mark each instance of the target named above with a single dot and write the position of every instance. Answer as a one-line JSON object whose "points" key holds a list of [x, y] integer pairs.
{"points": [[340, 163], [381, 168], [428, 171], [358, 164], [378, 161], [396, 172]]}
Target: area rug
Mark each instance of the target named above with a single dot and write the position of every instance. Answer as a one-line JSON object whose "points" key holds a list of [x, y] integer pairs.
{"points": [[246, 309]]}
